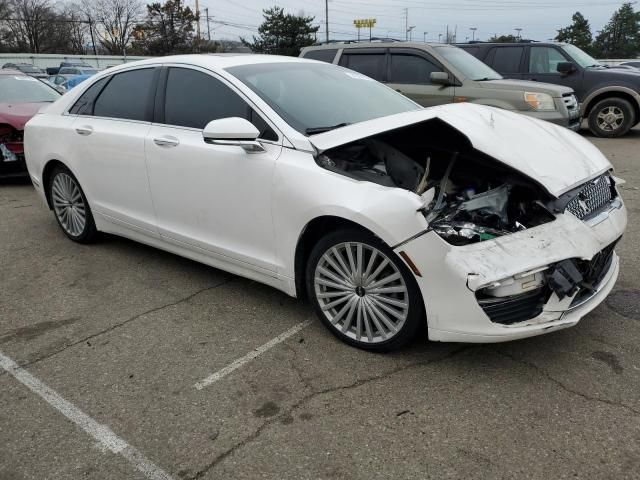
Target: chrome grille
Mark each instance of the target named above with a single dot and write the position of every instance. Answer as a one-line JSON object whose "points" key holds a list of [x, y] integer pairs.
{"points": [[593, 196], [570, 101]]}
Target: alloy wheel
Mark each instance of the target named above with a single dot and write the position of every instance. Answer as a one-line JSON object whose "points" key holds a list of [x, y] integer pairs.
{"points": [[610, 118], [68, 204], [361, 292]]}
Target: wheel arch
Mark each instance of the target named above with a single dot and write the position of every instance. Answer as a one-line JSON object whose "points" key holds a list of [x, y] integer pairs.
{"points": [[47, 171], [623, 93], [312, 232]]}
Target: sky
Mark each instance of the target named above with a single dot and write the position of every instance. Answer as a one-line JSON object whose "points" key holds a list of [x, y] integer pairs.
{"points": [[539, 20]]}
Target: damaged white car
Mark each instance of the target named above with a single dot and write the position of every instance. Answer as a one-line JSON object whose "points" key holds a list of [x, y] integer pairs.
{"points": [[485, 224]]}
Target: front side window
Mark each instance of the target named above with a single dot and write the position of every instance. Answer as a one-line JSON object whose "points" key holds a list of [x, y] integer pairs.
{"points": [[411, 69], [545, 60], [507, 59], [369, 64], [193, 99], [126, 96]]}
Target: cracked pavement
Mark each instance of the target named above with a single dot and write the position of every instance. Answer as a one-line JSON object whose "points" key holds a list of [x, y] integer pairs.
{"points": [[124, 331]]}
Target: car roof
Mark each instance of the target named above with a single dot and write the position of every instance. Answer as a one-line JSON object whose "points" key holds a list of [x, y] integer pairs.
{"points": [[509, 44], [214, 60], [337, 45]]}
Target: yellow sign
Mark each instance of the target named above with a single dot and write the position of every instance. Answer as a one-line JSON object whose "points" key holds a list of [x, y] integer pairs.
{"points": [[365, 23]]}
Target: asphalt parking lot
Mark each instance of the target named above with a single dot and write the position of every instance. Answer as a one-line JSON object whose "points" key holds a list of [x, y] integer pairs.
{"points": [[112, 342]]}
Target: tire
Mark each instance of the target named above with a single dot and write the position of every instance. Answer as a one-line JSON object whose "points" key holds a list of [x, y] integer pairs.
{"points": [[70, 206], [611, 117], [352, 306]]}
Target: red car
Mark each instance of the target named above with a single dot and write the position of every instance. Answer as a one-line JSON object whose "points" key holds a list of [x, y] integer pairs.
{"points": [[21, 96]]}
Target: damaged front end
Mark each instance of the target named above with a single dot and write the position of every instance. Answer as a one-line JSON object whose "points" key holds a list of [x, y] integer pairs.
{"points": [[12, 161], [467, 196]]}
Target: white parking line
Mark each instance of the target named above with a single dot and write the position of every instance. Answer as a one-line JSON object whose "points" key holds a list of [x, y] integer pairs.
{"points": [[101, 433], [214, 377]]}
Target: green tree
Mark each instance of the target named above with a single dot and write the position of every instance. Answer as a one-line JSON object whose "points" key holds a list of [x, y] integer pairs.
{"points": [[283, 34], [168, 29], [620, 38], [503, 39], [578, 33]]}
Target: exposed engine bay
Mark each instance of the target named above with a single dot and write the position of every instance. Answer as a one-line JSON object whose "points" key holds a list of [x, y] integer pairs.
{"points": [[468, 196]]}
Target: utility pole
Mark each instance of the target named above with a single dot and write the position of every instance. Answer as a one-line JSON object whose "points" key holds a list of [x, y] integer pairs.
{"points": [[519, 35], [206, 12], [406, 24], [424, 36], [473, 33], [439, 38], [197, 20], [326, 17], [93, 41]]}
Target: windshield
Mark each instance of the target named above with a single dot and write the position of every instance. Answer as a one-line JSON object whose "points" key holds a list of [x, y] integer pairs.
{"points": [[314, 97], [581, 58], [88, 71], [24, 89], [467, 64]]}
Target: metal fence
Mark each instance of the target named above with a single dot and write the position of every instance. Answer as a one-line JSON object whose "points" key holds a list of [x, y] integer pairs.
{"points": [[44, 60]]}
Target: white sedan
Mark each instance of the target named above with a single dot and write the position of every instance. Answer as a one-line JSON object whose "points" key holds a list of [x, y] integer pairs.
{"points": [[316, 180]]}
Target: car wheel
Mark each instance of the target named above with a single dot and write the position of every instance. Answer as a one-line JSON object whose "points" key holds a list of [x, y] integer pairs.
{"points": [[611, 117], [363, 293], [70, 206]]}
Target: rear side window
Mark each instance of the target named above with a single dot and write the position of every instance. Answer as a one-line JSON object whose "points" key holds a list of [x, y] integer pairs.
{"points": [[84, 105], [369, 64], [126, 96], [323, 55], [507, 59], [411, 69], [193, 99]]}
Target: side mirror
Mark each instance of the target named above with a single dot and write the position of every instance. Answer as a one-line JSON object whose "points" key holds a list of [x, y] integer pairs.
{"points": [[565, 68], [233, 131], [440, 78]]}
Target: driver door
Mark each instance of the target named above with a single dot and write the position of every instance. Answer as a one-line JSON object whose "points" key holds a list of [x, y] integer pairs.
{"points": [[212, 199], [409, 73]]}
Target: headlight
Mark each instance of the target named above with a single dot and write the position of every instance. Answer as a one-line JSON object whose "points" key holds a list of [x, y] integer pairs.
{"points": [[539, 101]]}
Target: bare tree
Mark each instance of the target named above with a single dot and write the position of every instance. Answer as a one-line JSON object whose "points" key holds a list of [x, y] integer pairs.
{"points": [[74, 28], [31, 24], [115, 21]]}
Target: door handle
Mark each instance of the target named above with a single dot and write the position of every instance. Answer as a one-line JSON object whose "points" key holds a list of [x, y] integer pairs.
{"points": [[166, 141], [84, 130]]}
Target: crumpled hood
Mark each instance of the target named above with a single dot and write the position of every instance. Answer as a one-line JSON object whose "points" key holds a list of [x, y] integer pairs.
{"points": [[17, 114], [526, 85], [553, 156]]}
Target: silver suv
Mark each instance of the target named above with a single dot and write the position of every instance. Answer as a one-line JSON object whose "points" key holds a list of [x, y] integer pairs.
{"points": [[433, 74]]}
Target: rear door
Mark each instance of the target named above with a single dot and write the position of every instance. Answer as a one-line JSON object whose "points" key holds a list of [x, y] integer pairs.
{"points": [[409, 72], [113, 119], [371, 62], [542, 66]]}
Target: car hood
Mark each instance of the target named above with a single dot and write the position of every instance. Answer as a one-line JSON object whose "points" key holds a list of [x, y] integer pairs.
{"points": [[17, 114], [526, 85], [555, 157]]}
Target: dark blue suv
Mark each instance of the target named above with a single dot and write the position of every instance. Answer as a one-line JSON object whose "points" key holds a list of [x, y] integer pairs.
{"points": [[609, 97]]}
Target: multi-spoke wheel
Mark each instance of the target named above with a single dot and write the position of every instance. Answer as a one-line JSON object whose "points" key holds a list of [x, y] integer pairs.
{"points": [[363, 292], [70, 206], [611, 117]]}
